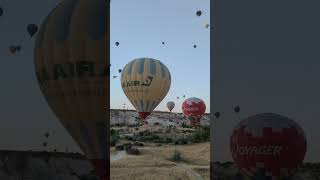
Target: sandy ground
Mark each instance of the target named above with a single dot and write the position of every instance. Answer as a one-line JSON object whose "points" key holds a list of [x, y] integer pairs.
{"points": [[153, 163]]}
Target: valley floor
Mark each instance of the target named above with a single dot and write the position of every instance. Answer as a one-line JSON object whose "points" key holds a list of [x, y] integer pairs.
{"points": [[153, 163]]}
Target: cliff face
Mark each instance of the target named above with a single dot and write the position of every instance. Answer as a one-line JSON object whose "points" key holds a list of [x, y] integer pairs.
{"points": [[128, 117], [22, 165]]}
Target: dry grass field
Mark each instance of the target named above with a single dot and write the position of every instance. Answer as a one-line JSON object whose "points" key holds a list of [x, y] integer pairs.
{"points": [[153, 163]]}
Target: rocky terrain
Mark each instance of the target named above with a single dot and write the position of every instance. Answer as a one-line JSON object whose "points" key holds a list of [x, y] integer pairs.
{"points": [[153, 145], [129, 117]]}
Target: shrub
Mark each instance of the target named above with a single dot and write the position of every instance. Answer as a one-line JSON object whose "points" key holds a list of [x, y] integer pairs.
{"points": [[133, 151], [184, 125], [114, 137], [202, 134], [176, 156]]}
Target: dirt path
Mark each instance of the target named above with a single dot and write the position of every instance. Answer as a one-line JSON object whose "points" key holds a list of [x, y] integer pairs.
{"points": [[190, 171], [118, 156]]}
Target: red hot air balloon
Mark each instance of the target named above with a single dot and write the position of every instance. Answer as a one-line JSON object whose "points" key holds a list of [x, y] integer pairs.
{"points": [[269, 142], [193, 108]]}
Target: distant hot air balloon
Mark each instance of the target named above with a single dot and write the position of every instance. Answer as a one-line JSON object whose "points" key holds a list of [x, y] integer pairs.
{"points": [[193, 108], [13, 49], [145, 81], [177, 97], [119, 70], [194, 46], [18, 48], [237, 109], [170, 105], [207, 25], [117, 43], [162, 42], [198, 13], [32, 29], [46, 134], [44, 144], [72, 67], [114, 77], [217, 114], [184, 96], [1, 11], [268, 145]]}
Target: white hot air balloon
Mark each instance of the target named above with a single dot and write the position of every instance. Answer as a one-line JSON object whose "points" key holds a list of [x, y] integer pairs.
{"points": [[170, 105]]}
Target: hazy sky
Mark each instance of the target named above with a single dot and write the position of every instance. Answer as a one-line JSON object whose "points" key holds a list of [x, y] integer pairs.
{"points": [[266, 60], [140, 26], [24, 115]]}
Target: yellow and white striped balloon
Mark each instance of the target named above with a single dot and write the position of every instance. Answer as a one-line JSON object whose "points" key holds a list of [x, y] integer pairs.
{"points": [[145, 81], [71, 62]]}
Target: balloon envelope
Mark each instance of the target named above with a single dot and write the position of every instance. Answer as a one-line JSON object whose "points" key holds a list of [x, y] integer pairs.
{"points": [[193, 108], [32, 29], [1, 11], [199, 13], [170, 105], [145, 81], [71, 58], [217, 114], [18, 48], [13, 49], [268, 141], [237, 109]]}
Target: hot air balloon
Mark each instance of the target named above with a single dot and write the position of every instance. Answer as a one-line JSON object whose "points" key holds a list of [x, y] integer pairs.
{"points": [[268, 145], [193, 108], [44, 144], [198, 13], [194, 46], [119, 70], [114, 77], [46, 134], [237, 109], [117, 43], [1, 11], [217, 114], [71, 57], [177, 97], [162, 42], [13, 49], [207, 26], [32, 29], [170, 105], [145, 81], [18, 48]]}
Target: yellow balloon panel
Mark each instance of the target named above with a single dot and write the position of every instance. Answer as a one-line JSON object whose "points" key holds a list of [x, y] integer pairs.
{"points": [[145, 81], [71, 63]]}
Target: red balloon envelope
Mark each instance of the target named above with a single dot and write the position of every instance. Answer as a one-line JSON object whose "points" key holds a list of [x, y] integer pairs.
{"points": [[270, 142], [193, 109]]}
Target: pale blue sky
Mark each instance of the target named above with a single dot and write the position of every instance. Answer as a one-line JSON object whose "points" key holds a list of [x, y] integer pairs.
{"points": [[140, 26]]}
